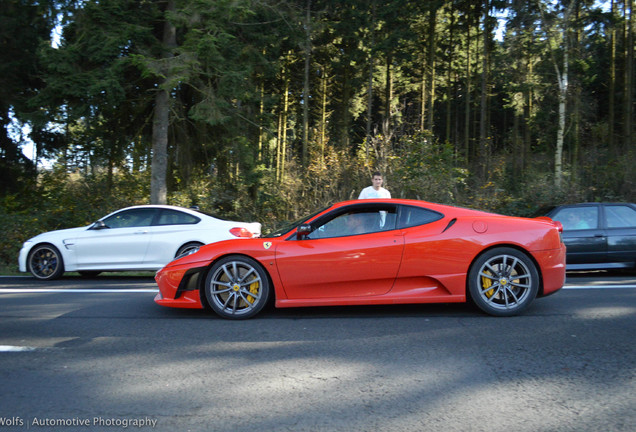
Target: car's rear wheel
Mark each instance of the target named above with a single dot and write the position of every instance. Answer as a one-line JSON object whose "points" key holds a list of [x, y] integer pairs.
{"points": [[187, 248], [503, 282], [45, 262], [237, 287]]}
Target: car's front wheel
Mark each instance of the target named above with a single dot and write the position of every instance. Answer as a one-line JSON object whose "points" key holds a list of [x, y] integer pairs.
{"points": [[237, 287], [503, 282], [45, 262]]}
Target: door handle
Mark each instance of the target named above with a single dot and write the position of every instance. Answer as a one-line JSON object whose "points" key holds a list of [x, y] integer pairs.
{"points": [[141, 232]]}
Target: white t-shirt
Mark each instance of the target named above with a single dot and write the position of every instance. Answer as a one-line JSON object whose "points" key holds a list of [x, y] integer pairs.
{"points": [[370, 193]]}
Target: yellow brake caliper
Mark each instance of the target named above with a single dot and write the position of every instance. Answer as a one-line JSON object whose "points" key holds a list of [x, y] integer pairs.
{"points": [[487, 283], [253, 290]]}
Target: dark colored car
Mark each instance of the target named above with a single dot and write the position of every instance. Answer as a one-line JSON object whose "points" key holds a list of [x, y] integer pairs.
{"points": [[597, 235]]}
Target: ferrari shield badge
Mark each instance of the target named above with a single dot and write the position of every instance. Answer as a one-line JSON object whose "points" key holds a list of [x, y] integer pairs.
{"points": [[267, 245]]}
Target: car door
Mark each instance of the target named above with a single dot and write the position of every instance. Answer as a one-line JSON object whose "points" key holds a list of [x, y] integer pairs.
{"points": [[120, 244], [351, 253], [583, 234], [620, 223]]}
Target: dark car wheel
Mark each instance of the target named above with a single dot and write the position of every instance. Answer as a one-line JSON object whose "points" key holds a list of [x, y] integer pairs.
{"points": [[45, 262], [503, 282], [187, 248], [237, 287]]}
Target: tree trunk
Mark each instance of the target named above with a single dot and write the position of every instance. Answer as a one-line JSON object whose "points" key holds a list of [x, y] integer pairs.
{"points": [[279, 134], [306, 86], [527, 113], [283, 150], [370, 86], [323, 117], [161, 120], [261, 112], [388, 95], [346, 102], [431, 66], [483, 119], [449, 79], [467, 107], [576, 99], [423, 100], [563, 89], [628, 98], [611, 116]]}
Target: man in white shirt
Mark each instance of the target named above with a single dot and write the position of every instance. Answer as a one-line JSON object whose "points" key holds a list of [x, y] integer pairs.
{"points": [[375, 190]]}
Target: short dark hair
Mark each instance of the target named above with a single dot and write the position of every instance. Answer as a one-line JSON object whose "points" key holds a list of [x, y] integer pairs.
{"points": [[377, 173]]}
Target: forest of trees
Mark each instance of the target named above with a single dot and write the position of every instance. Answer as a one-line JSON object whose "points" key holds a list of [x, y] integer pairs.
{"points": [[268, 109]]}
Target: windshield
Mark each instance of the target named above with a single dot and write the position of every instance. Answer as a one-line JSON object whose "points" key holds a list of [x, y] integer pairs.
{"points": [[292, 225]]}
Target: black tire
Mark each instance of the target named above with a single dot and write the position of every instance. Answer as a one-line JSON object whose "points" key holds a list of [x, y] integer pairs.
{"points": [[237, 287], [183, 250], [503, 282], [45, 262]]}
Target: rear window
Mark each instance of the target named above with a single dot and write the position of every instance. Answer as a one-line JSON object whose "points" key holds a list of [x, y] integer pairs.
{"points": [[414, 216], [620, 216], [174, 217]]}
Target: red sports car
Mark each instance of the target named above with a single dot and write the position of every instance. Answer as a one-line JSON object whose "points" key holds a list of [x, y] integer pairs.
{"points": [[371, 252]]}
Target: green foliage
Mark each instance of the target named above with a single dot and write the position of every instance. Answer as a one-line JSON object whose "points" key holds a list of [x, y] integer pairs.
{"points": [[61, 200], [394, 86], [425, 169]]}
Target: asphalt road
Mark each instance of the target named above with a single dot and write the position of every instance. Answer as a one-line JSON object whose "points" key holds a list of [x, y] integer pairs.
{"points": [[98, 354]]}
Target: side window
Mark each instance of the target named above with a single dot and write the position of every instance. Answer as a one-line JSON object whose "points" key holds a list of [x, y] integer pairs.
{"points": [[356, 222], [414, 216], [620, 216], [131, 218], [174, 217], [578, 218]]}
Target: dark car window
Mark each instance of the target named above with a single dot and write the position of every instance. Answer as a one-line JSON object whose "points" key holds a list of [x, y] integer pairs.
{"points": [[357, 221], [620, 216], [174, 217], [414, 216], [578, 218], [131, 218]]}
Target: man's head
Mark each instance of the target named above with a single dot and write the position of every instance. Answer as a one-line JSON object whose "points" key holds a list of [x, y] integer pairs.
{"points": [[376, 180]]}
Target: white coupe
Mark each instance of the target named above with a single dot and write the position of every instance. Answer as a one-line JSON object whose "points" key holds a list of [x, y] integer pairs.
{"points": [[136, 238]]}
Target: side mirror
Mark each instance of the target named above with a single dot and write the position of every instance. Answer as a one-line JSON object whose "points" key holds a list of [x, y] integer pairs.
{"points": [[99, 225], [303, 231]]}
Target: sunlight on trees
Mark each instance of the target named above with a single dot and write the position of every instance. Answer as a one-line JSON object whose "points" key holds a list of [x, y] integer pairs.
{"points": [[268, 110]]}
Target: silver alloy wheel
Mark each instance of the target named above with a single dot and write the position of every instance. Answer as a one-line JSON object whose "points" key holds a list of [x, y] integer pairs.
{"points": [[45, 262], [504, 282], [237, 287]]}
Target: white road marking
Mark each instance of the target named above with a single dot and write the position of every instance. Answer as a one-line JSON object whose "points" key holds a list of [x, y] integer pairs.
{"points": [[13, 348], [156, 290], [586, 287], [78, 290]]}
